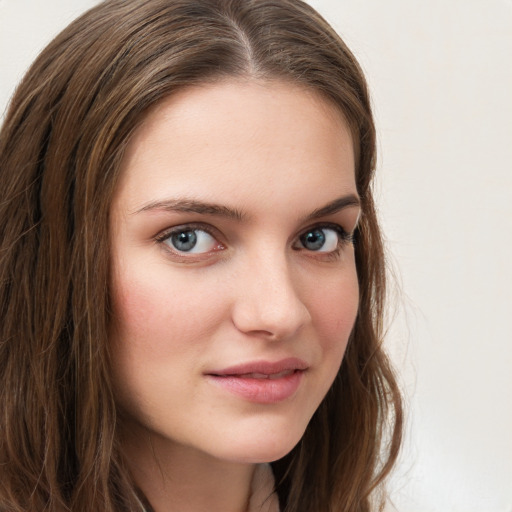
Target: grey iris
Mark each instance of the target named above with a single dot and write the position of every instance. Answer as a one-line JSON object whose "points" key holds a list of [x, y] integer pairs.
{"points": [[313, 240], [184, 241]]}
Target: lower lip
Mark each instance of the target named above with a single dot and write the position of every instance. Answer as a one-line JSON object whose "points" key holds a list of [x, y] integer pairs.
{"points": [[262, 391]]}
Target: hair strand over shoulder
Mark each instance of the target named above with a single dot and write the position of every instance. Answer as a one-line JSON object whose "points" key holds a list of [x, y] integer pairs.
{"points": [[60, 151]]}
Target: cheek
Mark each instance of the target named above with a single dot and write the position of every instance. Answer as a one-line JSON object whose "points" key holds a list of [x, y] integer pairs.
{"points": [[162, 314], [334, 310], [159, 332]]}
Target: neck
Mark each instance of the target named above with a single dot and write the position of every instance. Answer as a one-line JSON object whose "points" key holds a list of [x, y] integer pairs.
{"points": [[176, 478]]}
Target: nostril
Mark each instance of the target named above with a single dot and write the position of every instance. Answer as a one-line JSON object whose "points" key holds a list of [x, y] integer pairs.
{"points": [[266, 301], [268, 321]]}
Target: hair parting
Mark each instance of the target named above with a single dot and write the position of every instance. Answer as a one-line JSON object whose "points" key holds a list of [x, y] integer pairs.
{"points": [[61, 145]]}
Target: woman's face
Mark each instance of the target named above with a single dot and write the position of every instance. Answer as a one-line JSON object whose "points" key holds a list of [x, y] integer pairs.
{"points": [[234, 281]]}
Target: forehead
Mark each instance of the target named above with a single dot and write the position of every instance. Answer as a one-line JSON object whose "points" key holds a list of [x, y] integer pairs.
{"points": [[226, 136]]}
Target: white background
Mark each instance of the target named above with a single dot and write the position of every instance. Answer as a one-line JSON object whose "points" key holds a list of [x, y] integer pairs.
{"points": [[441, 79]]}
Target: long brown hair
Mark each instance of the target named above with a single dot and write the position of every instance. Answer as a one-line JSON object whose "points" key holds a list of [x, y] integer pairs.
{"points": [[60, 150]]}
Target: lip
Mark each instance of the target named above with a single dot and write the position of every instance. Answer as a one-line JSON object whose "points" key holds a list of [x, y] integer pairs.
{"points": [[263, 382]]}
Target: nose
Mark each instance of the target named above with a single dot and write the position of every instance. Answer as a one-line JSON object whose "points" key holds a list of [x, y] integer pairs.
{"points": [[267, 302]]}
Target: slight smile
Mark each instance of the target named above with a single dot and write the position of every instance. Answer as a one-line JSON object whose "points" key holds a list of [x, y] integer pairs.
{"points": [[262, 382]]}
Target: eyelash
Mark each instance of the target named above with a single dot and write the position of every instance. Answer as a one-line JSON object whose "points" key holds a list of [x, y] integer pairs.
{"points": [[344, 238], [165, 235]]}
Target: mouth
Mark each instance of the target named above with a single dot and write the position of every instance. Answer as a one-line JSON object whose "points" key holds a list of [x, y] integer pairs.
{"points": [[263, 369], [271, 376], [261, 382]]}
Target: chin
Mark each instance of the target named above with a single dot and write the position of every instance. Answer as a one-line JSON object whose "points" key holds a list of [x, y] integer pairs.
{"points": [[264, 446]]}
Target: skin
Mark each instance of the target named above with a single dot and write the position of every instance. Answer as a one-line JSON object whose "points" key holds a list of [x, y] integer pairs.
{"points": [[273, 154]]}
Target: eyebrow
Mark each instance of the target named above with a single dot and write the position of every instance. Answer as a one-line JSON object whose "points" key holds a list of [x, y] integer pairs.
{"points": [[193, 206], [200, 207], [335, 206]]}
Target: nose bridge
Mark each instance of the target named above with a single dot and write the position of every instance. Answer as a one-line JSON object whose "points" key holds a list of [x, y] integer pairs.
{"points": [[268, 301]]}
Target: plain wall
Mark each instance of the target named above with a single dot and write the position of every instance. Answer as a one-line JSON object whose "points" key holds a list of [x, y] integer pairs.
{"points": [[441, 79]]}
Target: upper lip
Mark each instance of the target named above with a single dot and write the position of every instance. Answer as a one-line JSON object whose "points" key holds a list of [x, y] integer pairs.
{"points": [[263, 367]]}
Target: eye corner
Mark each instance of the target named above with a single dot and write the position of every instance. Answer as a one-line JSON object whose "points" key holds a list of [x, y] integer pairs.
{"points": [[197, 242], [323, 238]]}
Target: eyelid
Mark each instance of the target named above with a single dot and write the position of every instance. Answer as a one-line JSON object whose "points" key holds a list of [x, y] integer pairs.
{"points": [[345, 239], [345, 235], [187, 226], [164, 235]]}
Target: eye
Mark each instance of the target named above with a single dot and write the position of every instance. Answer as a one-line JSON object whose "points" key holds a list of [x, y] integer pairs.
{"points": [[322, 239], [190, 240]]}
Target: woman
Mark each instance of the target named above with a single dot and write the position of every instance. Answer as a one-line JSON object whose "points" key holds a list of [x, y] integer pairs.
{"points": [[192, 275]]}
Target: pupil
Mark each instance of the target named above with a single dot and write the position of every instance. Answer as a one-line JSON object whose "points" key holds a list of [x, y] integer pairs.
{"points": [[314, 240], [184, 241]]}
